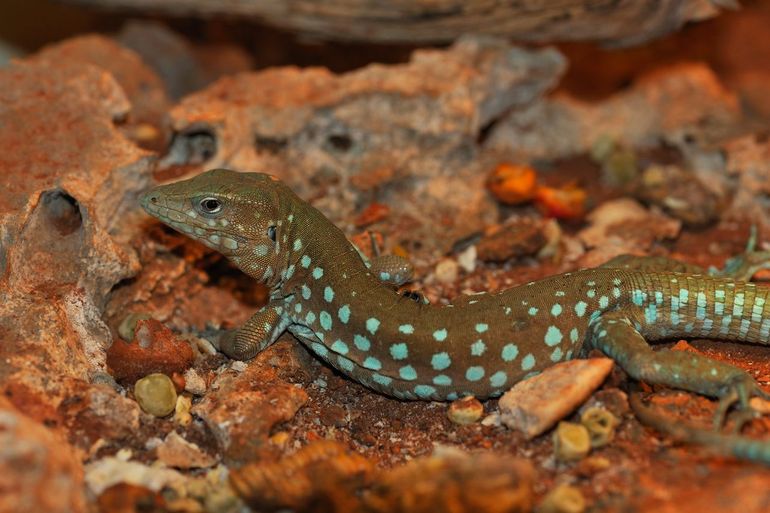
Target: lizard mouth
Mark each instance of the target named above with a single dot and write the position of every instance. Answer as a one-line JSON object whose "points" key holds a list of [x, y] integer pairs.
{"points": [[189, 222]]}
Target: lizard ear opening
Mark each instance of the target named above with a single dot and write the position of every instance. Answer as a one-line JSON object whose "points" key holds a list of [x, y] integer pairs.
{"points": [[271, 232]]}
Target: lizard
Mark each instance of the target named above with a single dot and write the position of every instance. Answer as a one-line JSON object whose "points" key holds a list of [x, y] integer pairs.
{"points": [[351, 316]]}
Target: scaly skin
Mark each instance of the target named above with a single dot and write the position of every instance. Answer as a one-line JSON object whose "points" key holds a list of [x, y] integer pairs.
{"points": [[322, 291]]}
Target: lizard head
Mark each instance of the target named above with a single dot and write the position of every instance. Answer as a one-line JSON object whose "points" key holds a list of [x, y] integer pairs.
{"points": [[238, 214]]}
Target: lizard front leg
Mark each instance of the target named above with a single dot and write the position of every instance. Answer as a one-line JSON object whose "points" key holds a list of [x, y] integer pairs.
{"points": [[261, 330]]}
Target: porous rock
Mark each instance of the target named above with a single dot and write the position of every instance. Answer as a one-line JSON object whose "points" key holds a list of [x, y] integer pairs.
{"points": [[534, 405]]}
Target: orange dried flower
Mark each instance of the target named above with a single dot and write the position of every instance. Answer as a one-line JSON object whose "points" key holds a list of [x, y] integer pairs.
{"points": [[513, 183], [563, 203]]}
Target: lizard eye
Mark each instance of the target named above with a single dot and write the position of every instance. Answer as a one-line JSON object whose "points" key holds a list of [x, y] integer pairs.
{"points": [[210, 205], [271, 233]]}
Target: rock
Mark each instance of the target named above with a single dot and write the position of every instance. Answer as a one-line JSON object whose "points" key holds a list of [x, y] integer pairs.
{"points": [[661, 106], [154, 348], [68, 211], [242, 408], [679, 193], [194, 383], [571, 442], [106, 472], [324, 472], [38, 470], [534, 405], [128, 498], [623, 226], [612, 399], [515, 238], [177, 452], [447, 271], [600, 424], [467, 259], [127, 327], [156, 394], [465, 411], [563, 499], [410, 129], [182, 409], [748, 164], [458, 482]]}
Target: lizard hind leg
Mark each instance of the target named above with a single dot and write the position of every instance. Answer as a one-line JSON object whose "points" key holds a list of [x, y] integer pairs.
{"points": [[614, 335]]}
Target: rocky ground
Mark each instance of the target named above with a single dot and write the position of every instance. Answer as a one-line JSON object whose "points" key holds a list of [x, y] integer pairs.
{"points": [[487, 164]]}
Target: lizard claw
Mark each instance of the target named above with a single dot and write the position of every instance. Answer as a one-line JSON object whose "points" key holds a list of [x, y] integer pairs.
{"points": [[740, 390]]}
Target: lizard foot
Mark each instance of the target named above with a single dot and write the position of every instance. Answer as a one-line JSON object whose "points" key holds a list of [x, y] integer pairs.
{"points": [[739, 391]]}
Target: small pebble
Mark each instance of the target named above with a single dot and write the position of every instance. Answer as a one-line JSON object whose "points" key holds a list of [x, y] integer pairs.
{"points": [[571, 442], [563, 499], [194, 383], [467, 259], [102, 378], [447, 271], [182, 408], [601, 424], [238, 366], [127, 326], [493, 419], [155, 394], [466, 410]]}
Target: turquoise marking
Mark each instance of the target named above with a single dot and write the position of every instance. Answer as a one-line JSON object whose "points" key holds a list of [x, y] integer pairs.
{"points": [[591, 293], [310, 318], [604, 302], [407, 373], [399, 351], [498, 379], [381, 380], [556, 310], [719, 295], [261, 250], [305, 292], [452, 396], [328, 294], [689, 327], [674, 304], [726, 321], [739, 299], [591, 283], [305, 261], [372, 363], [757, 310], [658, 297], [474, 373], [345, 364], [574, 334], [361, 342], [764, 329], [298, 307], [510, 352], [532, 311], [719, 308], [325, 319], [320, 349], [552, 336], [580, 308], [557, 354], [384, 276], [318, 272], [700, 311], [594, 316], [440, 335], [340, 347], [637, 297], [559, 293], [424, 391], [616, 292], [481, 327], [289, 272], [707, 325], [372, 324], [528, 362], [684, 296], [440, 361], [344, 314], [616, 281], [745, 323], [675, 319], [443, 380], [738, 302], [406, 329], [297, 244], [478, 348]]}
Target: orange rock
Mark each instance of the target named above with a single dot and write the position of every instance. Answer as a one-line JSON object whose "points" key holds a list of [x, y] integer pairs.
{"points": [[565, 203], [155, 348], [373, 213], [512, 183]]}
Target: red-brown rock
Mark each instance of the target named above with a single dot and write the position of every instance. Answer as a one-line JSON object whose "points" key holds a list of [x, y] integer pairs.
{"points": [[155, 348]]}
